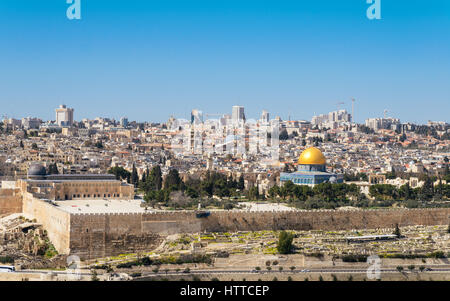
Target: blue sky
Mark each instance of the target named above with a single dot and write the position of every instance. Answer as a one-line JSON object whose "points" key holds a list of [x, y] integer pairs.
{"points": [[150, 59]]}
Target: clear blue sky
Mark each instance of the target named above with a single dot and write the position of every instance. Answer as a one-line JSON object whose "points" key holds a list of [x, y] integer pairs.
{"points": [[150, 59]]}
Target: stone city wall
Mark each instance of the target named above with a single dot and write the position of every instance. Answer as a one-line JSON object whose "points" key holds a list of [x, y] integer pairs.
{"points": [[10, 201], [53, 219], [323, 219], [100, 235]]}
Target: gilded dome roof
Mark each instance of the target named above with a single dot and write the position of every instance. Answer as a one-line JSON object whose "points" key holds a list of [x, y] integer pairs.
{"points": [[312, 155]]}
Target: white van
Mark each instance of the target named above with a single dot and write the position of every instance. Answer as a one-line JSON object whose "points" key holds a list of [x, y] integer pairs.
{"points": [[7, 269]]}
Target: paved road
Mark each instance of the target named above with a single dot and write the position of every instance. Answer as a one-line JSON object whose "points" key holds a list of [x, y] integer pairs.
{"points": [[211, 272], [275, 271]]}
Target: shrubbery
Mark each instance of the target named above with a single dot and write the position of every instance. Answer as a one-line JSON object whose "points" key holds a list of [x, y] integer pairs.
{"points": [[354, 258], [285, 242], [6, 259], [147, 261]]}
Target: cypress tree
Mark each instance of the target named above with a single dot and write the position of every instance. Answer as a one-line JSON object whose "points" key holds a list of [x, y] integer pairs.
{"points": [[134, 176]]}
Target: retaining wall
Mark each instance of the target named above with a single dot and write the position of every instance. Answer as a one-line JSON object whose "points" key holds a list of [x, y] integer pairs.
{"points": [[99, 235]]}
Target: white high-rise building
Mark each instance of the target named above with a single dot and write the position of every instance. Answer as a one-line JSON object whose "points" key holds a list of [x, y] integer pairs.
{"points": [[196, 116], [237, 114], [31, 123], [265, 116], [382, 123], [64, 116], [332, 119], [124, 122]]}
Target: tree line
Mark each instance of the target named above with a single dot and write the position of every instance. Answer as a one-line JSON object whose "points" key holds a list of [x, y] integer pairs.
{"points": [[159, 189], [331, 196]]}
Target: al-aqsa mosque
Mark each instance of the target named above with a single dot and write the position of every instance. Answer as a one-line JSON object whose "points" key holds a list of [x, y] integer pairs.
{"points": [[311, 170]]}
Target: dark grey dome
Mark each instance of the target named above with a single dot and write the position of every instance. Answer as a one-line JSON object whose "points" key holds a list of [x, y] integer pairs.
{"points": [[37, 170]]}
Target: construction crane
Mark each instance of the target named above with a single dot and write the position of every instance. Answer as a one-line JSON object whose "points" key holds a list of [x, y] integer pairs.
{"points": [[339, 105], [353, 109], [207, 115]]}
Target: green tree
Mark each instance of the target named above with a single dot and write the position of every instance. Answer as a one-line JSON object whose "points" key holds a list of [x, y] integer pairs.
{"points": [[406, 192], [253, 193], [173, 180], [285, 242], [134, 176], [153, 180], [120, 172], [397, 231], [383, 191], [427, 190], [274, 191], [241, 184]]}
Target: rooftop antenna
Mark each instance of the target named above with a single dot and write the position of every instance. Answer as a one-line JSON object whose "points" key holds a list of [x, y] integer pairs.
{"points": [[339, 105]]}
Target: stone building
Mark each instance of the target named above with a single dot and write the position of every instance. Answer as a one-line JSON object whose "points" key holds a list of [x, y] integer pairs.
{"points": [[74, 186]]}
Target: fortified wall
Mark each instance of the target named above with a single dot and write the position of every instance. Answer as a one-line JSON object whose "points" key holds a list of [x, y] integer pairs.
{"points": [[106, 234], [54, 220], [99, 235], [10, 201]]}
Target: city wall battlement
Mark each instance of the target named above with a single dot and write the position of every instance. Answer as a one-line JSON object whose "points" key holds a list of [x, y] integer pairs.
{"points": [[98, 235], [237, 212], [93, 235]]}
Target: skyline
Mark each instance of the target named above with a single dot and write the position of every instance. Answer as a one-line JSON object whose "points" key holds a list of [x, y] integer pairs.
{"points": [[148, 61], [204, 115]]}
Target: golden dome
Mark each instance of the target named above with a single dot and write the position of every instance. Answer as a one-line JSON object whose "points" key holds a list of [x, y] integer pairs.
{"points": [[312, 155]]}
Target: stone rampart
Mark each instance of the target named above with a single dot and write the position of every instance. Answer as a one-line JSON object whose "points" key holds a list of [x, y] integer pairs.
{"points": [[10, 201], [53, 219], [99, 235]]}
